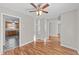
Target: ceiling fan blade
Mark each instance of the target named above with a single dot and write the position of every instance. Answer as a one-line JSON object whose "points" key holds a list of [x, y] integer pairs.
{"points": [[46, 5], [32, 11], [45, 11], [39, 4], [33, 5]]}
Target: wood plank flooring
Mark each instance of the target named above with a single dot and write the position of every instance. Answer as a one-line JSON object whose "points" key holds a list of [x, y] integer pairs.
{"points": [[52, 47]]}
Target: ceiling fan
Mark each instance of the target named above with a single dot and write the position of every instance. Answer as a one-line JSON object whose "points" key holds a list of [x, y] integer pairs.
{"points": [[40, 8]]}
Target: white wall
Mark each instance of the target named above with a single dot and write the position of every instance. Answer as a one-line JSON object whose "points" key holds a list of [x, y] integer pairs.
{"points": [[78, 30], [69, 29], [27, 25]]}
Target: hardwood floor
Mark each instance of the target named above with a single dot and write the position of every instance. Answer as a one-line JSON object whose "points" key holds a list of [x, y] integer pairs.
{"points": [[52, 47]]}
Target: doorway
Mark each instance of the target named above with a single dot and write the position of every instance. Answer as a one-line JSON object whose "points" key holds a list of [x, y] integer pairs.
{"points": [[11, 32]]}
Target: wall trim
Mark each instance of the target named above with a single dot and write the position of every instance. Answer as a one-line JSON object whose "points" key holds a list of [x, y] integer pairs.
{"points": [[69, 47], [77, 51], [3, 29], [26, 43]]}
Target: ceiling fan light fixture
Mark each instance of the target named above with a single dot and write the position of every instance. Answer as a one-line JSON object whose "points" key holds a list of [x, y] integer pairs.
{"points": [[39, 13], [40, 8]]}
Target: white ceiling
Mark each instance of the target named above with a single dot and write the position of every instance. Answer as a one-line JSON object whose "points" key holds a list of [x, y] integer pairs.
{"points": [[54, 10]]}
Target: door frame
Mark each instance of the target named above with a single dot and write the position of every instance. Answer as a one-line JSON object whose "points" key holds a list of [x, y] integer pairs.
{"points": [[3, 29]]}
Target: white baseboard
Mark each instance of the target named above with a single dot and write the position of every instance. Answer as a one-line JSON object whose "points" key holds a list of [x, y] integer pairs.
{"points": [[69, 47], [78, 51], [26, 43]]}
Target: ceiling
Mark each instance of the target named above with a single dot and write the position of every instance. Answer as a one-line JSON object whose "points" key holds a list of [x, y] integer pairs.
{"points": [[54, 10]]}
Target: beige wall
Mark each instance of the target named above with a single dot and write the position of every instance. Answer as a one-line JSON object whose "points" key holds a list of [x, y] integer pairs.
{"points": [[69, 29]]}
